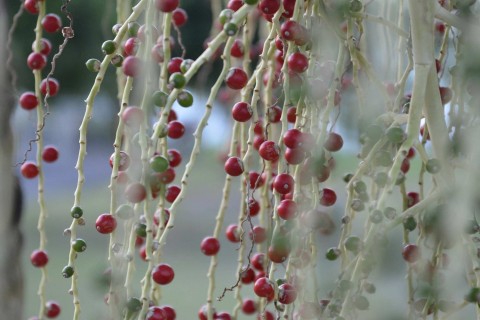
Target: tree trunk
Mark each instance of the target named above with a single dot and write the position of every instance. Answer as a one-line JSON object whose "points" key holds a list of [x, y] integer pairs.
{"points": [[11, 279]]}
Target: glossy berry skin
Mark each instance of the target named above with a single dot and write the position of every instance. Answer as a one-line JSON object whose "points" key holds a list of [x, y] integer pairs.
{"points": [[156, 313], [29, 170], [267, 316], [79, 245], [169, 312], [130, 47], [53, 87], [234, 166], [210, 246], [258, 234], [174, 65], [234, 4], [166, 5], [334, 142], [297, 62], [274, 114], [36, 61], [238, 49], [52, 309], [255, 179], [269, 151], [292, 138], [135, 192], [28, 100], [51, 23], [247, 275], [328, 197], [264, 288], [203, 313], [294, 156], [39, 258], [283, 183], [223, 316], [287, 209], [412, 199], [175, 129], [172, 193], [286, 293], [123, 163], [179, 17], [174, 157], [236, 78], [253, 207], [131, 66], [31, 6], [232, 233], [258, 260], [411, 253], [163, 274], [290, 30], [242, 111], [249, 306], [269, 7], [106, 223], [50, 154]]}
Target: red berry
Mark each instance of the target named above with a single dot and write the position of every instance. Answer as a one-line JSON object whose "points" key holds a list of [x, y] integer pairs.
{"points": [[258, 234], [172, 116], [293, 138], [242, 111], [28, 100], [223, 316], [283, 183], [203, 313], [445, 94], [31, 6], [266, 316], [405, 165], [269, 151], [278, 255], [169, 312], [52, 309], [238, 49], [36, 61], [167, 176], [106, 223], [253, 207], [292, 114], [234, 166], [174, 65], [210, 246], [123, 163], [258, 129], [288, 7], [411, 253], [29, 170], [255, 180], [234, 4], [247, 275], [294, 156], [53, 87], [440, 27], [411, 153], [174, 157], [133, 116], [264, 288], [412, 199], [328, 197], [297, 62], [269, 7], [39, 258], [334, 142], [236, 78], [166, 5], [290, 30], [163, 274], [274, 114], [172, 193], [131, 66], [258, 259], [232, 233], [51, 23], [287, 209], [249, 306], [135, 192], [155, 313], [50, 154], [257, 141], [130, 47], [286, 293], [175, 129], [179, 17]]}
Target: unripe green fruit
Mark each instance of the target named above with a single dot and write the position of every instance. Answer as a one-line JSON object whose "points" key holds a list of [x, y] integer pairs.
{"points": [[250, 2], [332, 254], [395, 134], [141, 230], [225, 16], [185, 65], [433, 166], [185, 99], [67, 272], [117, 60], [410, 223], [133, 29], [230, 29], [159, 98], [353, 244], [177, 80], [159, 164], [76, 212], [93, 65], [109, 47], [79, 245]]}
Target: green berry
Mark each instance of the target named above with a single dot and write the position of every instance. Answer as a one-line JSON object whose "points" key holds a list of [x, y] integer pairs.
{"points": [[160, 98], [93, 65], [158, 164], [357, 205], [225, 16], [230, 29], [395, 134], [347, 177], [353, 244], [133, 29], [125, 211], [76, 212], [359, 186], [410, 223], [433, 166], [79, 245], [376, 216], [117, 60], [361, 303], [141, 230], [177, 80], [185, 99], [332, 254], [67, 272], [134, 305], [186, 65], [356, 6], [109, 47]]}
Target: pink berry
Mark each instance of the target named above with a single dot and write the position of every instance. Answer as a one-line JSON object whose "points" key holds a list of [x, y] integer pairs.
{"points": [[287, 209], [269, 151], [264, 288]]}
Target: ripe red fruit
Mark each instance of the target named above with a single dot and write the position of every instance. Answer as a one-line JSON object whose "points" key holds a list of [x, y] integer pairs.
{"points": [[247, 275], [166, 5], [210, 246], [412, 199], [174, 157], [328, 197], [258, 129], [283, 183], [234, 166], [132, 116], [39, 258], [131, 66], [238, 49], [29, 170], [236, 78], [297, 62], [52, 309], [258, 259], [249, 306], [31, 6], [172, 193], [50, 154], [234, 4], [28, 100], [163, 274], [135, 192], [51, 23], [155, 313], [253, 207], [278, 255], [255, 179], [274, 114], [269, 151], [258, 234], [130, 47], [53, 86], [242, 111], [411, 253], [405, 165], [294, 156], [223, 316], [334, 142], [179, 17], [172, 116], [232, 233], [175, 129], [290, 29], [445, 94], [45, 46], [292, 138], [266, 316], [257, 141], [286, 293], [123, 163], [269, 7], [203, 313], [106, 223], [169, 312], [36, 61], [288, 7], [174, 65], [287, 209], [292, 114], [264, 288], [411, 153]]}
